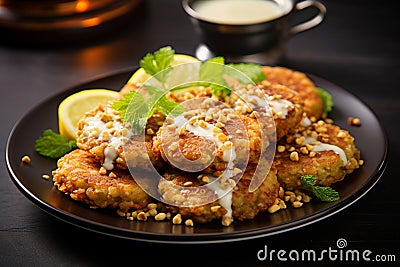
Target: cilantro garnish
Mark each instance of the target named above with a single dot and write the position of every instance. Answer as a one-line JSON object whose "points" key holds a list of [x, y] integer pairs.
{"points": [[327, 100], [53, 145], [323, 193], [135, 109], [253, 71], [159, 63], [212, 71]]}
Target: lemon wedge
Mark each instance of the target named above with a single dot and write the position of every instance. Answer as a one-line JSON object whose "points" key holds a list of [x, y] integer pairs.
{"points": [[74, 107], [179, 74]]}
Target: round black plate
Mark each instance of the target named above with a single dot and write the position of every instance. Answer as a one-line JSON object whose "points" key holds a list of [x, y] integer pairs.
{"points": [[370, 138]]}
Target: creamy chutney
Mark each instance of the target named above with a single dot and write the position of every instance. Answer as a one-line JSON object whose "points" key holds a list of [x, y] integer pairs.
{"points": [[237, 11]]}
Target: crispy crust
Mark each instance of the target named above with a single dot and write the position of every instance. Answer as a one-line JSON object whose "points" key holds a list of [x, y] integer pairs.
{"points": [[245, 205], [327, 166], [294, 116], [299, 82], [130, 151], [78, 176]]}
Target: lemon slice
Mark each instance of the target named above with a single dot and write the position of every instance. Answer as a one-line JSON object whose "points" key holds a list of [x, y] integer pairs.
{"points": [[179, 74], [72, 108]]}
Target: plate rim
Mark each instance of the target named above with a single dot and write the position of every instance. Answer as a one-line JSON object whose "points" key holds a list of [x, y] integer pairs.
{"points": [[196, 238]]}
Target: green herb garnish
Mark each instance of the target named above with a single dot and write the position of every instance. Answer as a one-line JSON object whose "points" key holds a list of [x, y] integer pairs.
{"points": [[323, 193], [253, 71], [327, 100], [211, 72], [135, 109], [214, 73], [159, 63], [53, 145]]}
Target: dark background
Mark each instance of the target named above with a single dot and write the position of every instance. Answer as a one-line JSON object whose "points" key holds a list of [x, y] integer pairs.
{"points": [[356, 47]]}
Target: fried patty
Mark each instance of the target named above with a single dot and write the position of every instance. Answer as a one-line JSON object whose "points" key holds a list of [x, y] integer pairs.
{"points": [[209, 148], [299, 82], [323, 150], [78, 175], [102, 132], [238, 203], [186, 202], [285, 119]]}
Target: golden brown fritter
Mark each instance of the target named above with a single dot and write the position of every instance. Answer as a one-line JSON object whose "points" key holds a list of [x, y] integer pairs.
{"points": [[323, 150], [299, 82], [80, 176], [238, 203], [246, 205], [202, 144], [285, 105], [102, 133], [186, 202]]}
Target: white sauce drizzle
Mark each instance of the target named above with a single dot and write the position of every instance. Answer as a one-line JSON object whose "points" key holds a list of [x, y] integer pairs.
{"points": [[280, 106], [325, 147], [95, 124], [224, 195], [305, 121], [229, 155]]}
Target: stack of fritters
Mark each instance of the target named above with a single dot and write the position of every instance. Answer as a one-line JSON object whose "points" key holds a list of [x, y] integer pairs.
{"points": [[222, 143]]}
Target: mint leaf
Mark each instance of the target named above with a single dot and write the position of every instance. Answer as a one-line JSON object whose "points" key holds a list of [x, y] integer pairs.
{"points": [[323, 193], [53, 145], [159, 63], [122, 104], [253, 71], [327, 100], [212, 71], [326, 194], [162, 104], [135, 109]]}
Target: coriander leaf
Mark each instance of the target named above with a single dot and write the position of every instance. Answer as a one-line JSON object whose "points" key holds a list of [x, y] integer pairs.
{"points": [[122, 104], [53, 145], [212, 71], [308, 181], [135, 109], [323, 193], [162, 104], [159, 63], [253, 71], [327, 100]]}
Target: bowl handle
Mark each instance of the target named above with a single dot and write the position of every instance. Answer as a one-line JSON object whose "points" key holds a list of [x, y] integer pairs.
{"points": [[311, 23]]}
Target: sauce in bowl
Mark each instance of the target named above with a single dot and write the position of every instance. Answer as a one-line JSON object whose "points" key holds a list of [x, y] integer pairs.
{"points": [[237, 12]]}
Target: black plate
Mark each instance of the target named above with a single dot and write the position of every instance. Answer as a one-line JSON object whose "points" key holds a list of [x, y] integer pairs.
{"points": [[370, 138]]}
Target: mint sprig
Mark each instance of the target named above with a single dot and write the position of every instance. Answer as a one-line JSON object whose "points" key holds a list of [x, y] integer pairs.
{"points": [[323, 193], [159, 63], [211, 72], [135, 109], [327, 100], [53, 145], [214, 69], [252, 71]]}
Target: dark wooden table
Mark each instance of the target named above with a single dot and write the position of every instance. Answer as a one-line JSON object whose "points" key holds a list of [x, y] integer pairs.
{"points": [[357, 47]]}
